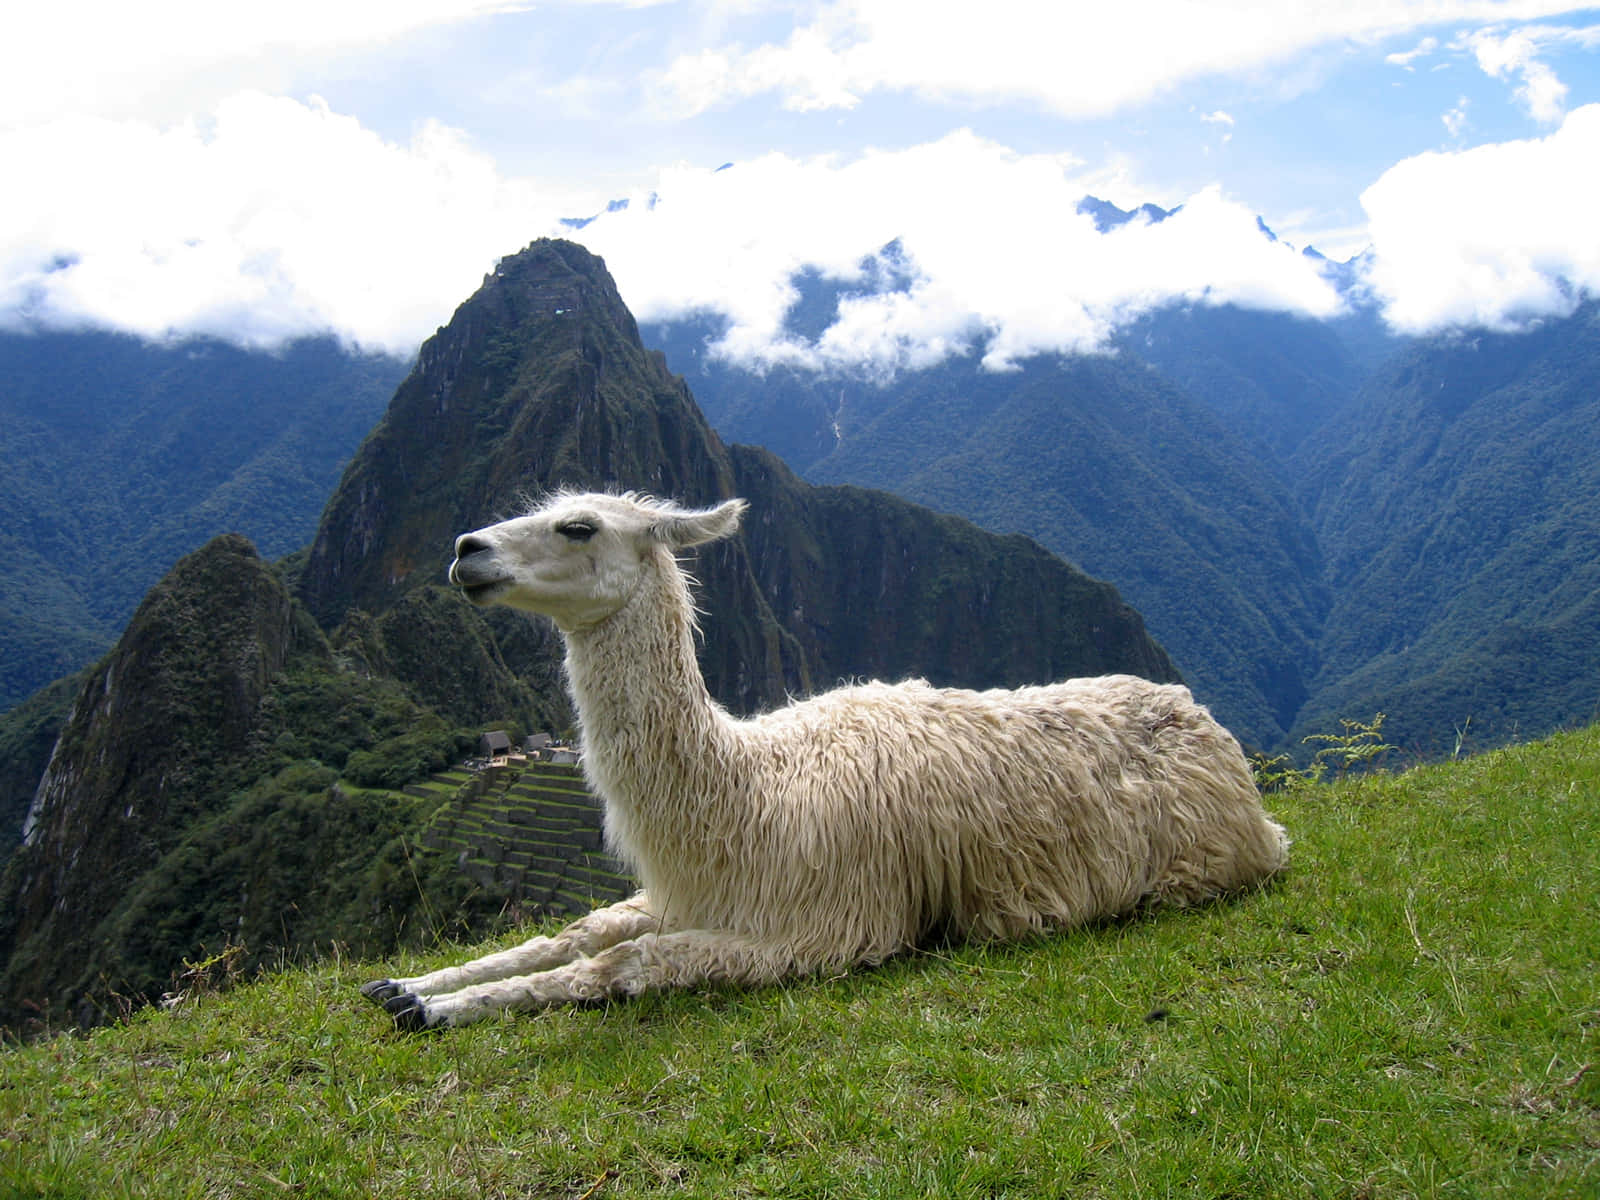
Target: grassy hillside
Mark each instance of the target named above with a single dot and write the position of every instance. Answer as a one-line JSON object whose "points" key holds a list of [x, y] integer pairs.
{"points": [[1410, 1012]]}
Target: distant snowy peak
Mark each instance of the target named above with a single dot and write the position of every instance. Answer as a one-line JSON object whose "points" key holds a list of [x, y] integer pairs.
{"points": [[1108, 216]]}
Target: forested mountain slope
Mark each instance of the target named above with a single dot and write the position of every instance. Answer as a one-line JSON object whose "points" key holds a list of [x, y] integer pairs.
{"points": [[1457, 501], [1109, 465], [117, 456], [1272, 378]]}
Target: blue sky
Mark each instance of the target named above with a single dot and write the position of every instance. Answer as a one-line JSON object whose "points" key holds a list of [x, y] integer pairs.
{"points": [[262, 173]]}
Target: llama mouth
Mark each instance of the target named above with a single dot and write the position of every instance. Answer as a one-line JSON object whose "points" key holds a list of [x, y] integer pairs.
{"points": [[483, 593], [479, 582]]}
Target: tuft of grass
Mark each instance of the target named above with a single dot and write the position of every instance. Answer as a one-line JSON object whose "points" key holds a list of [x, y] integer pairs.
{"points": [[1410, 1012]]}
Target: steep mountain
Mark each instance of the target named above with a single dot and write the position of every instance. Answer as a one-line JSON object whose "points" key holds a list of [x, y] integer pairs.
{"points": [[211, 782], [1272, 378], [1456, 502], [869, 585], [139, 757], [117, 456], [540, 381], [208, 790]]}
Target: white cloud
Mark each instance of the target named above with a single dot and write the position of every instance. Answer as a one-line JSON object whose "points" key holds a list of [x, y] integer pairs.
{"points": [[1405, 58], [279, 219], [1494, 236], [1071, 60], [268, 218], [94, 56], [1223, 119], [999, 255], [1455, 121], [1501, 55], [1517, 54]]}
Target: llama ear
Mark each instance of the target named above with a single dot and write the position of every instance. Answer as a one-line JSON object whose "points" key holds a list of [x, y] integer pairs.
{"points": [[681, 530]]}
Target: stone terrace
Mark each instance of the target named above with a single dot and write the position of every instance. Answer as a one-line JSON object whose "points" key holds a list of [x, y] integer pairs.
{"points": [[532, 832]]}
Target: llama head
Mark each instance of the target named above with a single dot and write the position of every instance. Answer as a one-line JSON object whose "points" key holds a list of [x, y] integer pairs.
{"points": [[578, 557]]}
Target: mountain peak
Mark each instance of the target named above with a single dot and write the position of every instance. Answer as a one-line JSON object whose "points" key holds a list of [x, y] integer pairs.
{"points": [[1108, 216], [539, 380]]}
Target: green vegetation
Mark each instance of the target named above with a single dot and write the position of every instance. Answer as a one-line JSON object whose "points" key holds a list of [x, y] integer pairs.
{"points": [[318, 842], [245, 792], [1357, 746], [1410, 1011], [118, 456], [324, 813], [1453, 500]]}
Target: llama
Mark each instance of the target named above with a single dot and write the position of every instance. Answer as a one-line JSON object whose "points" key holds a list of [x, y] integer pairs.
{"points": [[838, 830]]}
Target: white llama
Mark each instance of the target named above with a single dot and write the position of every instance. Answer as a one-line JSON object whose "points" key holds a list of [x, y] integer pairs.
{"points": [[837, 830]]}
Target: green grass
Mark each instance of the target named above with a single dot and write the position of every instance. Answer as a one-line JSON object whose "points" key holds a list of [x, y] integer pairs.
{"points": [[1411, 1011]]}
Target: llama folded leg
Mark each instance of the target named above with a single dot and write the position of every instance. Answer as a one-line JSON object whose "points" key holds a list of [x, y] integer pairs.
{"points": [[647, 963], [587, 935]]}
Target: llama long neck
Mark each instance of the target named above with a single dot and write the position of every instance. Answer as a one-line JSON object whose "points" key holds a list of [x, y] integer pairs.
{"points": [[646, 716]]}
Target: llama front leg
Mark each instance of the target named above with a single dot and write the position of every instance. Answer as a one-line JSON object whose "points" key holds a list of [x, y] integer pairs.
{"points": [[587, 935], [646, 963]]}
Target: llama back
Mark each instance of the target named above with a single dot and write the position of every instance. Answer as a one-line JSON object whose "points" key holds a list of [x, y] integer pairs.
{"points": [[999, 813], [1184, 795]]}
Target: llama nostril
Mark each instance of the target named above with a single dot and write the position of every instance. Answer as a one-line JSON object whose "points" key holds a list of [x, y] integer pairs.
{"points": [[470, 543]]}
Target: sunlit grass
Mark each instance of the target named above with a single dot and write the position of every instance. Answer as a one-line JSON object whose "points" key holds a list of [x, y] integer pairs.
{"points": [[1411, 1011]]}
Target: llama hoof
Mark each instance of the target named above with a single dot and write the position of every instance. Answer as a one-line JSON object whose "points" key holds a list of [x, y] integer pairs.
{"points": [[408, 1011], [380, 991]]}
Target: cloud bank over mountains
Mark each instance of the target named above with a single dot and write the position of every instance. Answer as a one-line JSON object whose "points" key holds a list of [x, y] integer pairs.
{"points": [[991, 248], [1494, 236], [259, 216], [285, 219], [279, 220]]}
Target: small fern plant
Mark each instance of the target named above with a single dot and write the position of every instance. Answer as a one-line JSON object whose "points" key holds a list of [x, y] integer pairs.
{"points": [[1357, 746]]}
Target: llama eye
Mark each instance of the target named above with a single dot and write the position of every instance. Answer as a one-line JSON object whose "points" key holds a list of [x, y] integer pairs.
{"points": [[576, 531]]}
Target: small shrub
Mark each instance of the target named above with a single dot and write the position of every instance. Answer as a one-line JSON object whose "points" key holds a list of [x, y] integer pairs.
{"points": [[1356, 747], [209, 976]]}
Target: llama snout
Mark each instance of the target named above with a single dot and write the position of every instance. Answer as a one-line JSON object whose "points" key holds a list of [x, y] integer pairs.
{"points": [[477, 571]]}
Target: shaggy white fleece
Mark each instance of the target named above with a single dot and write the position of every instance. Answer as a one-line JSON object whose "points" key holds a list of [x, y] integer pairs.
{"points": [[840, 829]]}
